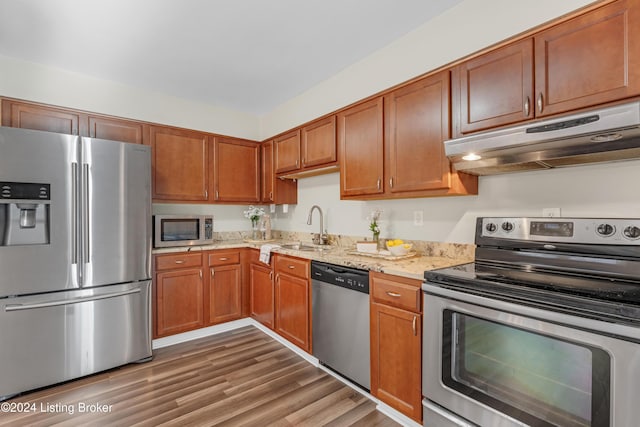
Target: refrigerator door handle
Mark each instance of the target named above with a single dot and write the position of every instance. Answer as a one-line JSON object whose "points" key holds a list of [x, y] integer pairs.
{"points": [[17, 307], [85, 214], [74, 213]]}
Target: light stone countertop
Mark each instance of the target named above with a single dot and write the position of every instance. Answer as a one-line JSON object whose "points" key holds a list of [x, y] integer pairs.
{"points": [[431, 257]]}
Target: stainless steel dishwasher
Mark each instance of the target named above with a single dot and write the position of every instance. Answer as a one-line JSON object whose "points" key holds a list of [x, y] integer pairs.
{"points": [[340, 310]]}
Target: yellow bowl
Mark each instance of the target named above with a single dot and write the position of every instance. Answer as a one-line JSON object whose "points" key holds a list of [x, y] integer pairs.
{"points": [[400, 249]]}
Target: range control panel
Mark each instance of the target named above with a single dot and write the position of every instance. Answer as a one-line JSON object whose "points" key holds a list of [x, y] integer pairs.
{"points": [[610, 231]]}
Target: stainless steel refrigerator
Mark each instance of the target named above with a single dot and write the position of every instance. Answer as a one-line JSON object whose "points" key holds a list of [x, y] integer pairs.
{"points": [[75, 257]]}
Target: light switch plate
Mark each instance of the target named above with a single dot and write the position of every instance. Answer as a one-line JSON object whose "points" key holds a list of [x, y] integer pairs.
{"points": [[418, 219]]}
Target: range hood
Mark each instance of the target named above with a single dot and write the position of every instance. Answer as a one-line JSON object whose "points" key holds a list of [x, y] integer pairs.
{"points": [[603, 135]]}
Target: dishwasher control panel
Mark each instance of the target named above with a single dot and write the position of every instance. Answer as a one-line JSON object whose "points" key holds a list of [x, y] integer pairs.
{"points": [[346, 277]]}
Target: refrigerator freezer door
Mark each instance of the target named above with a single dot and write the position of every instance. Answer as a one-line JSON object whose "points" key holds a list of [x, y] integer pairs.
{"points": [[116, 205], [39, 256], [64, 335]]}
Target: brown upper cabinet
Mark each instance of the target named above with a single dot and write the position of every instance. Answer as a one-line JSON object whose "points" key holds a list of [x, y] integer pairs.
{"points": [[307, 149], [495, 89], [287, 152], [117, 129], [360, 137], [274, 189], [417, 118], [179, 164], [236, 170], [392, 146], [589, 60], [27, 115], [319, 143]]}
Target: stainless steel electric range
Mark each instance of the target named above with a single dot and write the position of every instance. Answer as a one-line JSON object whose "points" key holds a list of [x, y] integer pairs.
{"points": [[542, 330]]}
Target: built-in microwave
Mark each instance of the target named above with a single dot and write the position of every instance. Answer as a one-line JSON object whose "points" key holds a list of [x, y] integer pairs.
{"points": [[182, 230]]}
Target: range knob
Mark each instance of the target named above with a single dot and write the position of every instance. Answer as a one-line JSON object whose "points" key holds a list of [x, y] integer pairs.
{"points": [[631, 232], [491, 227], [605, 230], [507, 226]]}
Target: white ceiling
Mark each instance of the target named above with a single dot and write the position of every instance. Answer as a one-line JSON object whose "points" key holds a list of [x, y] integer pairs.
{"points": [[247, 55]]}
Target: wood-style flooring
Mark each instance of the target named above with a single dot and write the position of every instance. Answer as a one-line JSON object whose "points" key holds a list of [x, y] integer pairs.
{"points": [[238, 378]]}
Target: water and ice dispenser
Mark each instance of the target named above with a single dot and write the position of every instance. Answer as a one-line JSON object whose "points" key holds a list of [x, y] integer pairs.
{"points": [[24, 213]]}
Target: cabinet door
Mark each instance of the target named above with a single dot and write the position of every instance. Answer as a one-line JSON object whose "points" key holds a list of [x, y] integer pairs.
{"points": [[292, 310], [262, 297], [496, 88], [236, 170], [591, 59], [319, 143], [418, 123], [179, 301], [116, 129], [360, 137], [39, 117], [225, 293], [396, 359], [275, 190], [179, 164], [267, 173], [287, 152]]}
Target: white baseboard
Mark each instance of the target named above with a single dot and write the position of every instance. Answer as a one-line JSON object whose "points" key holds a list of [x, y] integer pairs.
{"points": [[201, 333], [236, 324]]}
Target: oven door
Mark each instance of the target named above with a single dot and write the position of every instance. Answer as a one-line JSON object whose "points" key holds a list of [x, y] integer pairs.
{"points": [[498, 363]]}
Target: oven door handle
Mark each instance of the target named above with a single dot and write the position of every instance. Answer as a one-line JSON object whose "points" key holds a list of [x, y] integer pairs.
{"points": [[574, 321]]}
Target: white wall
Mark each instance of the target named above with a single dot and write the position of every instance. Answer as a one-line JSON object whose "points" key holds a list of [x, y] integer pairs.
{"points": [[470, 26], [605, 190], [33, 82]]}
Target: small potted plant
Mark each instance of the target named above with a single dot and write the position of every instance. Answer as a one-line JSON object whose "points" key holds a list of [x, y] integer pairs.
{"points": [[254, 214]]}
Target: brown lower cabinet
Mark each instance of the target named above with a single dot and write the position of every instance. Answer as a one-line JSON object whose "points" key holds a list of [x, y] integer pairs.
{"points": [[293, 300], [185, 298], [396, 343], [261, 285], [178, 294]]}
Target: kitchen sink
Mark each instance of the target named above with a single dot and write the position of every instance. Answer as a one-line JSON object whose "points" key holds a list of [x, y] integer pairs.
{"points": [[305, 248]]}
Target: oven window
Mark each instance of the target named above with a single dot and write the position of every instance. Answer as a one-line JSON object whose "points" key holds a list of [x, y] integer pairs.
{"points": [[180, 229], [539, 379]]}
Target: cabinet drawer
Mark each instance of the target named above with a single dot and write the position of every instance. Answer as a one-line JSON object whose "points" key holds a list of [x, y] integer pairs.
{"points": [[174, 261], [292, 266], [224, 258], [395, 293]]}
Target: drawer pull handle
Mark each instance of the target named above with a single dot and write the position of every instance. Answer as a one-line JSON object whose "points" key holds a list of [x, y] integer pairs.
{"points": [[292, 267], [527, 107], [213, 272], [394, 294], [415, 329], [223, 259], [179, 261]]}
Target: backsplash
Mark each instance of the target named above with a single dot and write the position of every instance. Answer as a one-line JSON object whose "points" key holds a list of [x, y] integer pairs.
{"points": [[433, 249]]}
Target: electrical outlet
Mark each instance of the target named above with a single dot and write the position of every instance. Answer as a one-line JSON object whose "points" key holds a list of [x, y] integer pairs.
{"points": [[418, 219], [550, 212]]}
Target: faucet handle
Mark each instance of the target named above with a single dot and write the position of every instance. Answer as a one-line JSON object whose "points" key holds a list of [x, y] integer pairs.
{"points": [[315, 238]]}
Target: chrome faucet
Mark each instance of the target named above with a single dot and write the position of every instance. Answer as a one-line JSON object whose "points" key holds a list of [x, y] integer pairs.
{"points": [[320, 238]]}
